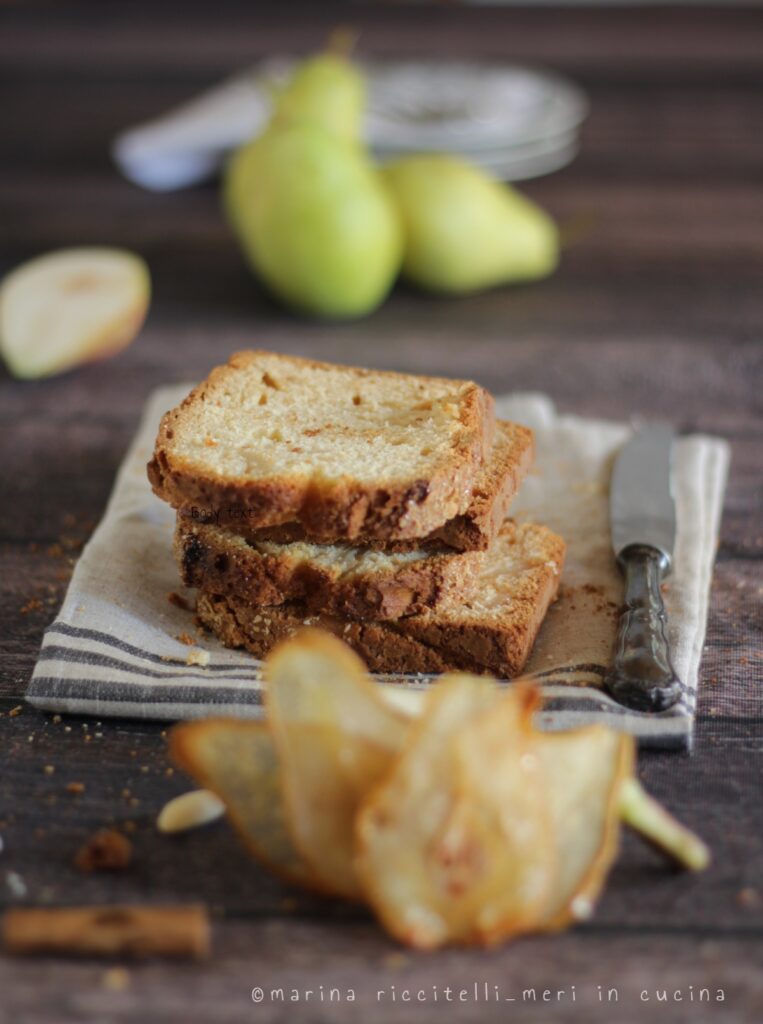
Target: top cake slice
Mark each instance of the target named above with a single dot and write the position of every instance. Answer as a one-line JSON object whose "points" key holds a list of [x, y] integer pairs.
{"points": [[345, 452], [475, 529]]}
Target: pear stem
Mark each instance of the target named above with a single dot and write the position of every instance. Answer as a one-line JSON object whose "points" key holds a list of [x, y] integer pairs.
{"points": [[649, 818]]}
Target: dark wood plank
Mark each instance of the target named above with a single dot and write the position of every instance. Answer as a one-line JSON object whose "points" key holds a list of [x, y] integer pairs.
{"points": [[86, 39], [305, 955]]}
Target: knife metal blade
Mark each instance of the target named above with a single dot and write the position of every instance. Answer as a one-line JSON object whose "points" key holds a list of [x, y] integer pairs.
{"points": [[641, 505], [643, 524]]}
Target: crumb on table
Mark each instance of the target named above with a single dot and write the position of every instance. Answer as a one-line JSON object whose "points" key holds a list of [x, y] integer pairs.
{"points": [[107, 850]]}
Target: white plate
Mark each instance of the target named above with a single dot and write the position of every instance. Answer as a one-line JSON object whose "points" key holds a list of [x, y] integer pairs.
{"points": [[521, 168], [459, 106]]}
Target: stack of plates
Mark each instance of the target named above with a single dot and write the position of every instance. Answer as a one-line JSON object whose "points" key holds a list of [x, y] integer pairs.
{"points": [[515, 122]]}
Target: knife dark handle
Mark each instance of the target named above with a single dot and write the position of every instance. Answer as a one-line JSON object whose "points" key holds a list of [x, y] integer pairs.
{"points": [[642, 676]]}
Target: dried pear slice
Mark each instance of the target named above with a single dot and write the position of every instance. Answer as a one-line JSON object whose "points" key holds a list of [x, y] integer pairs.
{"points": [[316, 679], [238, 762], [441, 842], [583, 771], [336, 738], [326, 776], [502, 784]]}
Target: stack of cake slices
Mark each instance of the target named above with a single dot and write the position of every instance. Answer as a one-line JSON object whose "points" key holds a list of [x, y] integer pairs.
{"points": [[369, 504]]}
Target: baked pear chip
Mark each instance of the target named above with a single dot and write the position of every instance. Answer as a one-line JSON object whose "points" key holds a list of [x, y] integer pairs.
{"points": [[582, 772], [336, 738], [454, 846], [502, 785], [455, 820], [237, 761]]}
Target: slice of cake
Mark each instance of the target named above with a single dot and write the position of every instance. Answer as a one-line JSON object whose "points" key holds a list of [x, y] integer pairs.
{"points": [[493, 631], [333, 578], [476, 527], [345, 452]]}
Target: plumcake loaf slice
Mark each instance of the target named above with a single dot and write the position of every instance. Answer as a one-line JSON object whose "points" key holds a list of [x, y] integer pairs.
{"points": [[476, 528], [493, 632], [498, 481], [270, 439], [332, 578]]}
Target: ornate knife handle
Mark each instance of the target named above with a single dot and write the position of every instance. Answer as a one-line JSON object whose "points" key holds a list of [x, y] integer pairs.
{"points": [[642, 676]]}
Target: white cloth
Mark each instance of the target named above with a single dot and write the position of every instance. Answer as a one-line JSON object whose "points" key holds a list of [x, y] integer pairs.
{"points": [[114, 648]]}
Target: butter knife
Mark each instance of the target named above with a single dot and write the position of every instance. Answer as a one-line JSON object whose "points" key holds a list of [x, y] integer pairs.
{"points": [[643, 523]]}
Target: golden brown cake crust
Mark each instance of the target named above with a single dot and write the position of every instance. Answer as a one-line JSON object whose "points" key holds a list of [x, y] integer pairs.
{"points": [[495, 486], [416, 496]]}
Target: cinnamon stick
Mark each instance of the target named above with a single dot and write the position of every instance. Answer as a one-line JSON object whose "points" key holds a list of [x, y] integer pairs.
{"points": [[106, 931]]}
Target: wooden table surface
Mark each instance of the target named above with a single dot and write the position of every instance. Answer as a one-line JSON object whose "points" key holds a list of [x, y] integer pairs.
{"points": [[657, 310]]}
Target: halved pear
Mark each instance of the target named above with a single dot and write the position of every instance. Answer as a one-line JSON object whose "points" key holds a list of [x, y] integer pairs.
{"points": [[336, 738], [238, 762], [70, 307]]}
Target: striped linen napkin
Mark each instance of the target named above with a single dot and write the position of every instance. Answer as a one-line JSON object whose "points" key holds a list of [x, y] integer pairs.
{"points": [[120, 647]]}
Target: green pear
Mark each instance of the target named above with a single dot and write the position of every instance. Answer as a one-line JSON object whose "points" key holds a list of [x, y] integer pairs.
{"points": [[464, 231], [315, 220], [327, 91]]}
